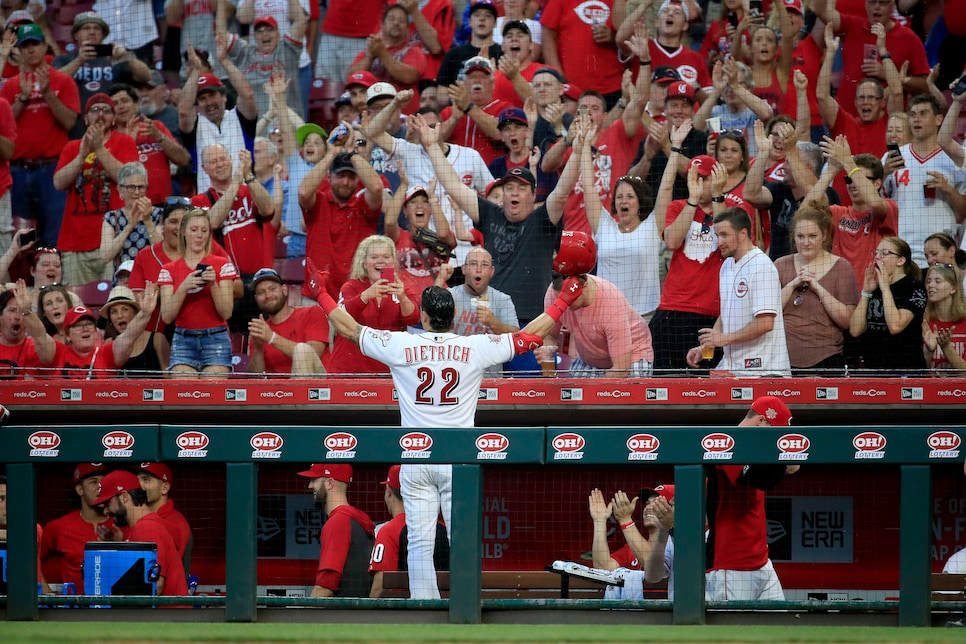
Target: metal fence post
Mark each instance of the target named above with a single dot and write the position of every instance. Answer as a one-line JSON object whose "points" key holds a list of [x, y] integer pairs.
{"points": [[240, 548], [914, 563], [689, 544], [466, 549], [22, 537]]}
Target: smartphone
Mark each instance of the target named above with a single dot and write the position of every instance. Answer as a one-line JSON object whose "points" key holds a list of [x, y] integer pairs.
{"points": [[893, 150], [582, 111], [201, 268], [387, 273], [28, 237], [733, 19], [103, 50], [960, 86], [757, 10]]}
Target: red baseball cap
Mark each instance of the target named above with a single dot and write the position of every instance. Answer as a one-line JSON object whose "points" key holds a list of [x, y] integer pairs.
{"points": [[157, 470], [667, 491], [99, 98], [114, 483], [572, 92], [392, 480], [83, 470], [774, 410], [209, 83], [794, 5], [77, 314], [337, 471], [366, 79], [680, 89], [704, 164], [265, 20]]}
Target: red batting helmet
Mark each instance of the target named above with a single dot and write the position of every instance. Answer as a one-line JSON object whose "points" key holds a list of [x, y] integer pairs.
{"points": [[577, 254]]}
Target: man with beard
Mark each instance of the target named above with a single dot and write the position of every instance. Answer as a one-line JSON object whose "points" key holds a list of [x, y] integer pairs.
{"points": [[62, 544], [87, 170], [153, 102], [125, 501], [156, 480], [285, 339], [345, 542]]}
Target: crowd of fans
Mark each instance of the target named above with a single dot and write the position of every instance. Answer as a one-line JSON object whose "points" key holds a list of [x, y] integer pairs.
{"points": [[761, 188]]}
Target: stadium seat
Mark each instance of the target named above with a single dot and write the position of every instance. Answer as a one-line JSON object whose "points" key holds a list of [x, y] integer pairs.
{"points": [[293, 271], [93, 294], [281, 247]]}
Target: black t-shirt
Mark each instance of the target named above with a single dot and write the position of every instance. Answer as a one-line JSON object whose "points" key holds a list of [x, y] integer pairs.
{"points": [[880, 348], [696, 143], [455, 58]]}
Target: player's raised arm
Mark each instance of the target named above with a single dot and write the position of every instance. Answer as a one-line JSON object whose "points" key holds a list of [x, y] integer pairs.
{"points": [[343, 323]]}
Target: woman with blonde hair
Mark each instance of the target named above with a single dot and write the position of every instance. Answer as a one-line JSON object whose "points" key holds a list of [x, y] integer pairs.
{"points": [[887, 322], [197, 296], [819, 293], [944, 322], [376, 297]]}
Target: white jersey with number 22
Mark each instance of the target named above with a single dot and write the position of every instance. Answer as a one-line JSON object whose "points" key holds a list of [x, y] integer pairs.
{"points": [[437, 375]]}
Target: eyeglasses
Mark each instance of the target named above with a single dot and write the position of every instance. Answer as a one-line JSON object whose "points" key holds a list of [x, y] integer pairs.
{"points": [[734, 132], [882, 252], [134, 186], [361, 142], [85, 325], [49, 287], [100, 109], [177, 201], [478, 265], [706, 224]]}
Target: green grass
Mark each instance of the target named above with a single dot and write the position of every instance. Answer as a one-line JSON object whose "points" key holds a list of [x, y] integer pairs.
{"points": [[106, 633]]}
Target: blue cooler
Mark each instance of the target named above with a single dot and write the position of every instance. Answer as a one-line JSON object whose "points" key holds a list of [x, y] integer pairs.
{"points": [[3, 567], [121, 568]]}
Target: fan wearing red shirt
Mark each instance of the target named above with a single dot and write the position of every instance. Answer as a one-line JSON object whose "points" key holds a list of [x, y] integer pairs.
{"points": [[197, 295], [860, 57], [433, 27], [87, 170], [84, 358], [578, 39], [17, 351], [127, 504], [472, 119], [341, 198]]}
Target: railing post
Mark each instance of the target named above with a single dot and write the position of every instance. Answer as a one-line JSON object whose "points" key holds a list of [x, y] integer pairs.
{"points": [[240, 548], [914, 561], [22, 542], [466, 549], [689, 544]]}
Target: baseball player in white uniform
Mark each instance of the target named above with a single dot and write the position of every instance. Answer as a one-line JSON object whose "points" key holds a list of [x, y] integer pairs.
{"points": [[437, 375]]}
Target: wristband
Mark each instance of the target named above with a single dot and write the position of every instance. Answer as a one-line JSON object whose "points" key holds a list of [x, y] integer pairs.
{"points": [[625, 526], [688, 203], [866, 295], [678, 150], [885, 56], [327, 303], [620, 103], [853, 171], [272, 339], [718, 199], [23, 99], [645, 63], [556, 310]]}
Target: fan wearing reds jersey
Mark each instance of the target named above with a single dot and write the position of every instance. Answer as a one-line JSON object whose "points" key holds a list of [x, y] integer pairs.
{"points": [[738, 567]]}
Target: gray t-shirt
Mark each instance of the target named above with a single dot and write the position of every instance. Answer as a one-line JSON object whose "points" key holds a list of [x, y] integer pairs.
{"points": [[522, 255], [465, 322]]}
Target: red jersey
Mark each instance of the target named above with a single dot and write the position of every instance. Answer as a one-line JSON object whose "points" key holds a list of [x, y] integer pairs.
{"points": [[247, 234], [858, 41], [306, 324], [178, 527], [740, 540], [863, 137], [467, 133], [438, 13], [334, 231], [14, 359], [62, 548], [773, 94], [8, 130], [503, 89], [147, 266], [152, 529], [408, 54], [37, 117], [807, 57], [716, 39], [958, 340], [92, 194], [387, 315], [155, 161], [615, 153], [625, 558], [585, 63], [858, 234], [692, 277], [70, 364], [351, 18], [385, 552], [417, 264], [344, 548], [689, 63], [198, 309]]}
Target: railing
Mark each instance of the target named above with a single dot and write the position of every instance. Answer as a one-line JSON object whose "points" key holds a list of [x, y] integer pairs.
{"points": [[689, 449]]}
